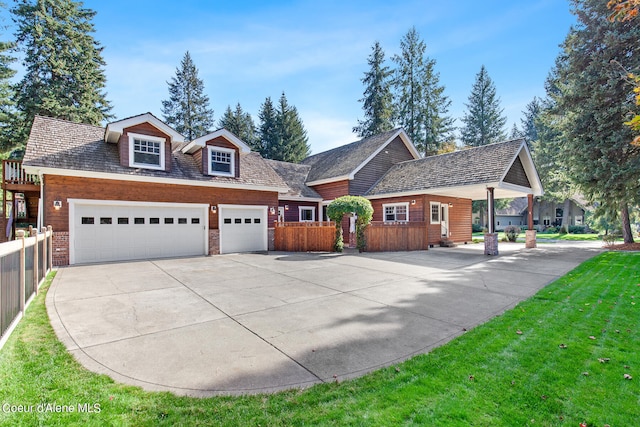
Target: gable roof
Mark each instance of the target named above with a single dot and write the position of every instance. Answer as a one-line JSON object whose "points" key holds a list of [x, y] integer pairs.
{"points": [[466, 173], [345, 161], [114, 130], [197, 143], [61, 147], [295, 176]]}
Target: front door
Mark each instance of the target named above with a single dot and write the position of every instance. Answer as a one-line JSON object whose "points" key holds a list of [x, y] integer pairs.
{"points": [[444, 220]]}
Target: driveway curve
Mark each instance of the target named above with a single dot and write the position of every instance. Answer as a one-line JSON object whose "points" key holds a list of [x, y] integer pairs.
{"points": [[253, 323]]}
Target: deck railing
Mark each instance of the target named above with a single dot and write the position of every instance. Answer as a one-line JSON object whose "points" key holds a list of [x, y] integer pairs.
{"points": [[13, 173]]}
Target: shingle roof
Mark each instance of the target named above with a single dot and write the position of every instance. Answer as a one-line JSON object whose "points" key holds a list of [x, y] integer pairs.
{"points": [[486, 164], [517, 206], [343, 160], [61, 144], [295, 176]]}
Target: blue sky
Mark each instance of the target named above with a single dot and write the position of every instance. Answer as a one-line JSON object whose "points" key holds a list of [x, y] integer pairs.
{"points": [[316, 52]]}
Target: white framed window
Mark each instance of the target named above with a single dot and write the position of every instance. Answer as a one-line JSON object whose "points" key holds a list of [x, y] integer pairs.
{"points": [[221, 161], [579, 220], [396, 212], [546, 220], [307, 214], [146, 151], [435, 212]]}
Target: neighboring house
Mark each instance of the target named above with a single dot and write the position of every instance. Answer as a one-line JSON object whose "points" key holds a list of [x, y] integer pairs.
{"points": [[136, 189], [545, 213]]}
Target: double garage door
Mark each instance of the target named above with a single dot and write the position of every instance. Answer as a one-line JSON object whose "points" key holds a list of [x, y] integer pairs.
{"points": [[120, 231], [115, 231]]}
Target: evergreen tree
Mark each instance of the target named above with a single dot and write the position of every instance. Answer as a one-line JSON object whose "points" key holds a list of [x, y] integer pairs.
{"points": [[8, 117], [420, 104], [187, 108], [592, 99], [64, 69], [483, 122], [268, 129], [515, 132], [438, 126], [409, 88], [532, 112], [241, 125], [287, 140], [377, 102]]}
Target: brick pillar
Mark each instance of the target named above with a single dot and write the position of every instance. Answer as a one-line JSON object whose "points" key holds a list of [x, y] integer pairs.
{"points": [[491, 243], [530, 240]]}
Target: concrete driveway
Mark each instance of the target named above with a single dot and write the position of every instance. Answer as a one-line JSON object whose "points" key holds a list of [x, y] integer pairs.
{"points": [[251, 323]]}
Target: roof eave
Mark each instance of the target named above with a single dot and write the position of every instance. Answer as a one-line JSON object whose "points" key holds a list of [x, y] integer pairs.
{"points": [[31, 169]]}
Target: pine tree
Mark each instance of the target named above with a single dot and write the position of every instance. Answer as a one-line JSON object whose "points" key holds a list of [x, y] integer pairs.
{"points": [[288, 141], [438, 126], [241, 125], [532, 112], [8, 113], [64, 69], [377, 100], [483, 122], [187, 108], [268, 129], [593, 97], [409, 87], [420, 104]]}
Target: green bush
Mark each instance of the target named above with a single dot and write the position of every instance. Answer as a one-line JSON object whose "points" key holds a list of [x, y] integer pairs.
{"points": [[347, 204], [512, 232], [577, 229], [476, 228], [550, 230]]}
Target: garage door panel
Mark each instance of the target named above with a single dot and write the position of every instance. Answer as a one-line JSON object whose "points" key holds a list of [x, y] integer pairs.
{"points": [[243, 229], [107, 232]]}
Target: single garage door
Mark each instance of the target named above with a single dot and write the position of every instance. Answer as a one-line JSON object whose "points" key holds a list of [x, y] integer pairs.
{"points": [[120, 231], [242, 228]]}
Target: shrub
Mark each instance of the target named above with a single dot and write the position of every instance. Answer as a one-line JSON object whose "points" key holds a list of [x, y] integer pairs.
{"points": [[476, 228], [563, 230], [577, 229], [512, 232], [550, 230]]}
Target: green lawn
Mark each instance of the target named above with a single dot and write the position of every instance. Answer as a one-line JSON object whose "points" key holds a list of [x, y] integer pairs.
{"points": [[555, 236], [558, 359]]}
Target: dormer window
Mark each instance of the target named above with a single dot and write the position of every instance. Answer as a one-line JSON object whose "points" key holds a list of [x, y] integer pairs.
{"points": [[146, 151], [221, 161]]}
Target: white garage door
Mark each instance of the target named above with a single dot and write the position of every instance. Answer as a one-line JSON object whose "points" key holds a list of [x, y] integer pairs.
{"points": [[117, 231], [242, 228]]}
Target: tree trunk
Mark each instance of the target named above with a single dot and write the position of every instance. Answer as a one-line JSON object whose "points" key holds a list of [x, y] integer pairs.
{"points": [[627, 235]]}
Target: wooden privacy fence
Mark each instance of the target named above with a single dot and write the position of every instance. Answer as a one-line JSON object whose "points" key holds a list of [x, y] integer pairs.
{"points": [[24, 263], [304, 236], [396, 236]]}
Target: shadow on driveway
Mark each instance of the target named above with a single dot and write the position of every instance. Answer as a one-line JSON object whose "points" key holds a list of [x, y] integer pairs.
{"points": [[249, 323]]}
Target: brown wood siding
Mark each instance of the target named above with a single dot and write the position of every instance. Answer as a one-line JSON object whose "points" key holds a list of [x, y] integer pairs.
{"points": [[459, 219], [219, 142], [64, 188], [333, 190], [416, 211], [143, 129], [517, 174], [293, 213], [366, 177]]}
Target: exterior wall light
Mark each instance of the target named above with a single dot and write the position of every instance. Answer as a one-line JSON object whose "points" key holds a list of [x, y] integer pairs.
{"points": [[413, 202], [214, 208], [272, 210], [57, 204]]}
